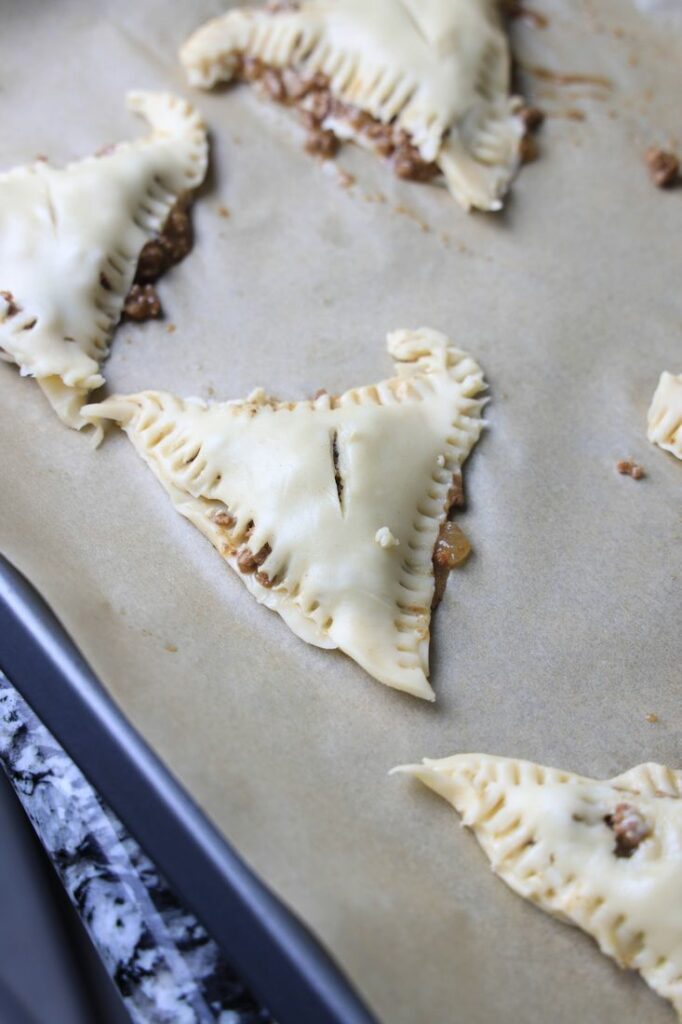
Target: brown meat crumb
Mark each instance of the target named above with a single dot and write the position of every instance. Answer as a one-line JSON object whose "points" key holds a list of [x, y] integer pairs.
{"points": [[248, 562], [532, 117], [629, 828], [455, 498], [264, 579], [222, 517], [142, 303], [664, 167], [626, 467], [321, 142], [12, 307], [408, 163]]}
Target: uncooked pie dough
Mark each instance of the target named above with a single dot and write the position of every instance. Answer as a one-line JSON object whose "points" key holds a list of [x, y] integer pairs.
{"points": [[606, 856], [328, 508], [437, 71], [665, 414], [70, 240]]}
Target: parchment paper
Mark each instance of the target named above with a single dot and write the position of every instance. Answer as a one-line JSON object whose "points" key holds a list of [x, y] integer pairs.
{"points": [[560, 634]]}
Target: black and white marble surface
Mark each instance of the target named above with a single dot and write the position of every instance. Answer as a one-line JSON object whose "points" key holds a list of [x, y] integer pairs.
{"points": [[166, 967]]}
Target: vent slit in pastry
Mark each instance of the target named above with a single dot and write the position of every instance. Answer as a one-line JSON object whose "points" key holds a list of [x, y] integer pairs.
{"points": [[605, 856], [338, 478], [316, 503], [423, 83], [82, 245]]}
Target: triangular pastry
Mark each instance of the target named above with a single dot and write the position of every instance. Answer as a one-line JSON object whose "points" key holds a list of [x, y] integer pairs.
{"points": [[423, 82], [70, 239], [605, 856], [329, 508], [665, 414]]}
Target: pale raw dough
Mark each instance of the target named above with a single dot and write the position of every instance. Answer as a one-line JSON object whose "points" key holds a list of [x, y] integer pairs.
{"points": [[664, 421], [321, 482], [439, 69], [546, 833], [69, 243]]}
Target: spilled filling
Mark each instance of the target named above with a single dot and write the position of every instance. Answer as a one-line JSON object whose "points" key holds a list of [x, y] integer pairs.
{"points": [[319, 109]]}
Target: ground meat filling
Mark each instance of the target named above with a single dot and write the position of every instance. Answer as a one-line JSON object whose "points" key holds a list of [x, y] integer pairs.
{"points": [[249, 562], [142, 303], [171, 246], [626, 467], [224, 519], [12, 307], [452, 547], [629, 828], [664, 167], [312, 97]]}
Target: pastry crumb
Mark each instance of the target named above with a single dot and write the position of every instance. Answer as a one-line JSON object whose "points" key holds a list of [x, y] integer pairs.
{"points": [[223, 211], [627, 467], [385, 539], [664, 167], [345, 178], [171, 329], [171, 648], [652, 718]]}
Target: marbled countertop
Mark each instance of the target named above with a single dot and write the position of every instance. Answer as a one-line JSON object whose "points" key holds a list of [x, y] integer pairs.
{"points": [[166, 967]]}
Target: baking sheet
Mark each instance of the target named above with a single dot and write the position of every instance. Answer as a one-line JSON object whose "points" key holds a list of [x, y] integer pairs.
{"points": [[561, 633]]}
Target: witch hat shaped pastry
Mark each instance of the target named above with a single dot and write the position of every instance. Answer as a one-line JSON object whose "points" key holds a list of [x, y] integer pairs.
{"points": [[328, 508], [70, 239], [664, 418], [423, 82], [606, 856]]}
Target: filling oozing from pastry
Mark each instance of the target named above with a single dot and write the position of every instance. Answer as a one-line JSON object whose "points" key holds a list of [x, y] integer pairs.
{"points": [[452, 547], [81, 247], [173, 242], [629, 827], [603, 855], [422, 83], [329, 121]]}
